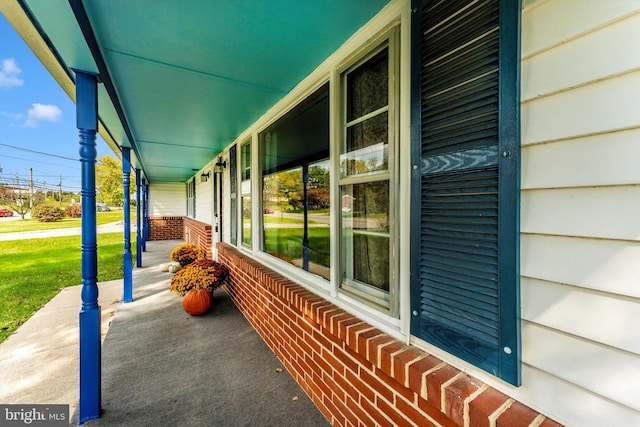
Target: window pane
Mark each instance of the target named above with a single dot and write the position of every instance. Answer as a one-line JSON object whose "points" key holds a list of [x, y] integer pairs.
{"points": [[245, 171], [295, 184], [294, 233], [233, 220], [283, 222], [318, 230], [366, 146], [368, 86], [365, 235], [246, 220], [300, 137]]}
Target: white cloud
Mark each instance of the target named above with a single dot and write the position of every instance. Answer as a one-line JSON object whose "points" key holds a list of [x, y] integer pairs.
{"points": [[42, 113], [11, 115], [9, 73]]}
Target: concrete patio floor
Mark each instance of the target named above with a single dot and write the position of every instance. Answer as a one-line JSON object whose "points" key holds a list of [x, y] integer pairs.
{"points": [[160, 366]]}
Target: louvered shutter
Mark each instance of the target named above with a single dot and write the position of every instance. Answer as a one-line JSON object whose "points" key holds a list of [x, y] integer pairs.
{"points": [[233, 189], [465, 272]]}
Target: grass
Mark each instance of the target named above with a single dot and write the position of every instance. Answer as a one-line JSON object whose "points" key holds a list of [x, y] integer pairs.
{"points": [[12, 226], [35, 270], [288, 242], [276, 219]]}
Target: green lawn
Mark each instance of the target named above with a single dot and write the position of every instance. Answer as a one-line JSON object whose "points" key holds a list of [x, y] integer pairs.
{"points": [[288, 243], [34, 270], [10, 226]]}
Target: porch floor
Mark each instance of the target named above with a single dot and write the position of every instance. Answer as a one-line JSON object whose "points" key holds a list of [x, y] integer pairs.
{"points": [[161, 366]]}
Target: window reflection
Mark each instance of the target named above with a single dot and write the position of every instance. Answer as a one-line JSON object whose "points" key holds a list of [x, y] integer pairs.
{"points": [[295, 185], [296, 217]]}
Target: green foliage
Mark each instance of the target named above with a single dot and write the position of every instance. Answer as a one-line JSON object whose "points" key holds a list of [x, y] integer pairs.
{"points": [[47, 212], [73, 211], [109, 181]]}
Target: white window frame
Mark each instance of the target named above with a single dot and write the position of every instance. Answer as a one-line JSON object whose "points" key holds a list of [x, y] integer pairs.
{"points": [[391, 24], [378, 299], [245, 192]]}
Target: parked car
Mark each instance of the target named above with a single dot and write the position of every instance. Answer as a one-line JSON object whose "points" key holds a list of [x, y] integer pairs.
{"points": [[268, 211], [6, 212], [102, 207]]}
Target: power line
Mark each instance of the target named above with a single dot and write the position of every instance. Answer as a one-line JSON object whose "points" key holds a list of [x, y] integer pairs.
{"points": [[37, 161], [38, 152]]}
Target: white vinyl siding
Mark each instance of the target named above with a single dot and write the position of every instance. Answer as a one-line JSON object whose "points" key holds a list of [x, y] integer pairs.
{"points": [[167, 199], [204, 197], [580, 241]]}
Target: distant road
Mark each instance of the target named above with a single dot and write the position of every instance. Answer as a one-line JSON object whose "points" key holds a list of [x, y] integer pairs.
{"points": [[113, 227]]}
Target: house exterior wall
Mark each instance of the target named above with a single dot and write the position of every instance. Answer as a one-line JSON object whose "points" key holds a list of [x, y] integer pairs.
{"points": [[166, 228], [204, 197], [167, 199], [580, 237], [167, 205], [580, 245], [198, 233], [355, 373]]}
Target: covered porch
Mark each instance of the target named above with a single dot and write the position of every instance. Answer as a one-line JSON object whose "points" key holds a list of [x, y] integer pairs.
{"points": [[159, 363]]}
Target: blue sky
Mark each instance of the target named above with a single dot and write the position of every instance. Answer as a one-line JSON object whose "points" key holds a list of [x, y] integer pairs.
{"points": [[36, 115]]}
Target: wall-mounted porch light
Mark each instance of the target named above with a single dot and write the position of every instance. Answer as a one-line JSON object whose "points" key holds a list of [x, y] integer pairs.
{"points": [[205, 177], [220, 165]]}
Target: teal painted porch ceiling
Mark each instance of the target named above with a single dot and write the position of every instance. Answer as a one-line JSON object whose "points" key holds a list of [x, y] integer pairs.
{"points": [[191, 75]]}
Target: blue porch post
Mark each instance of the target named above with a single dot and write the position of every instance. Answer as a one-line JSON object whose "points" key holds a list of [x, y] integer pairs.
{"points": [[90, 352], [138, 221], [145, 215], [128, 274]]}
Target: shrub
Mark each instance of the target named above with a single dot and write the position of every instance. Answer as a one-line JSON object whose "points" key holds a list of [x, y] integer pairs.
{"points": [[205, 273], [47, 212], [186, 254], [73, 211]]}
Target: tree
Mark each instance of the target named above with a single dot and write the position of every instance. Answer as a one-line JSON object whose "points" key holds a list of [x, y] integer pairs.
{"points": [[109, 181], [15, 196]]}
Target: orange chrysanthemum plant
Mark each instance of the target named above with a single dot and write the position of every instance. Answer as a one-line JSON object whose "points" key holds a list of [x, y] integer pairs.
{"points": [[204, 273], [187, 253]]}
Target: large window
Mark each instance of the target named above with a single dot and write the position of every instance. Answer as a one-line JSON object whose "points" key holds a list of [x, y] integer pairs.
{"points": [[295, 185], [315, 154], [366, 177], [245, 188]]}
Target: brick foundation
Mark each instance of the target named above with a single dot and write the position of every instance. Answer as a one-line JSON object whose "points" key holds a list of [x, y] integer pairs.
{"points": [[197, 233], [165, 228], [356, 374]]}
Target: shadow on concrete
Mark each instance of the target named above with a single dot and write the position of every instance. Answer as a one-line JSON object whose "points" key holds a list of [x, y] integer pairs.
{"points": [[163, 367]]}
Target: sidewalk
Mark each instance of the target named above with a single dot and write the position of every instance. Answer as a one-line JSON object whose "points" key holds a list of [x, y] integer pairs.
{"points": [[39, 362], [160, 366], [113, 227]]}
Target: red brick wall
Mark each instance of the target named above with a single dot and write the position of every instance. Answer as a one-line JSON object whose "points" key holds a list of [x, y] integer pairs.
{"points": [[165, 228], [356, 374], [198, 233]]}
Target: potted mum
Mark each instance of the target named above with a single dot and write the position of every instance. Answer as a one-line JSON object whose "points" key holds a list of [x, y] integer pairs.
{"points": [[186, 254], [182, 255], [196, 283]]}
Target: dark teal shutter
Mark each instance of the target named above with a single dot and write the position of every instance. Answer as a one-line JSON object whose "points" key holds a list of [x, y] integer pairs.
{"points": [[465, 189], [233, 189]]}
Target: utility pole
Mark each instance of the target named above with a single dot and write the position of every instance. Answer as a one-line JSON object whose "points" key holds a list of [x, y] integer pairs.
{"points": [[30, 188], [60, 191]]}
